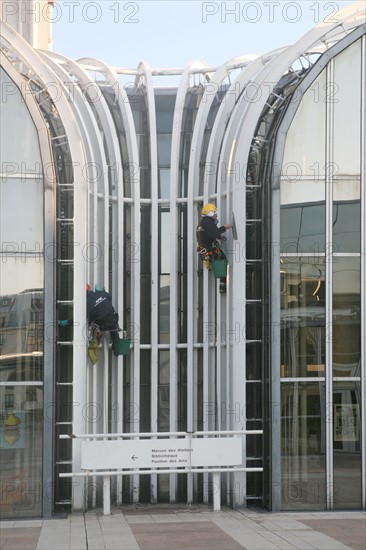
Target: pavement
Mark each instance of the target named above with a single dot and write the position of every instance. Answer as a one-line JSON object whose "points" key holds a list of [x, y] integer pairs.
{"points": [[192, 528]]}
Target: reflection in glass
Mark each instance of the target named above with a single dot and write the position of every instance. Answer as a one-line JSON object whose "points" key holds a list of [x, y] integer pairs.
{"points": [[302, 317], [163, 391], [346, 316], [164, 183], [145, 390], [21, 336], [18, 134], [347, 105], [346, 226], [164, 147], [303, 228], [26, 236], [347, 444], [303, 445], [21, 426], [164, 272]]}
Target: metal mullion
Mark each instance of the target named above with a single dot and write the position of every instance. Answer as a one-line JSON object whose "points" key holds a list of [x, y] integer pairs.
{"points": [[363, 270], [155, 278], [233, 152], [329, 292], [174, 242], [191, 301]]}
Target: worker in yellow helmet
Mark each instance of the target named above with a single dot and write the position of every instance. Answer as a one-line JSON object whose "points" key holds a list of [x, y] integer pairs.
{"points": [[208, 236]]}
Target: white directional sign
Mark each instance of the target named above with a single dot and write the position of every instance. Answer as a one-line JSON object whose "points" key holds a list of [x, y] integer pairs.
{"points": [[161, 453]]}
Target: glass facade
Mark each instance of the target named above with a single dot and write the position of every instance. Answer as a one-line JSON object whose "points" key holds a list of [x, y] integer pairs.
{"points": [[21, 307], [282, 352], [321, 321]]}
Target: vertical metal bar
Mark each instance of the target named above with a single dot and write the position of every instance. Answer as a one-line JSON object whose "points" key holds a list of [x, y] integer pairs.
{"points": [[329, 288], [275, 351], [155, 279], [363, 268], [174, 273], [49, 320]]}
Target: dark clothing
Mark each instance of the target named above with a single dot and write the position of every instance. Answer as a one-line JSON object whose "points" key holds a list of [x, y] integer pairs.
{"points": [[101, 312], [208, 247], [207, 232]]}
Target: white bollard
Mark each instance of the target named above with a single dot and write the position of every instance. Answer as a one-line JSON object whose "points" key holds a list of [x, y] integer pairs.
{"points": [[216, 482], [107, 495]]}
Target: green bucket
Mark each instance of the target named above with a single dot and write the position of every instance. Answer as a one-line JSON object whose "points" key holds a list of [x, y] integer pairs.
{"points": [[122, 346], [219, 268]]}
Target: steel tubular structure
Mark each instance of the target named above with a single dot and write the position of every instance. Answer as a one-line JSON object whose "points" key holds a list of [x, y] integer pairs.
{"points": [[214, 126]]}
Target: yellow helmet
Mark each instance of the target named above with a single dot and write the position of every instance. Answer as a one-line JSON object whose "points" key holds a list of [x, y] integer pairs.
{"points": [[209, 209]]}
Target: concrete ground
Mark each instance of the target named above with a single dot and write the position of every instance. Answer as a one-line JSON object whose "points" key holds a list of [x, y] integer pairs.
{"points": [[193, 528]]}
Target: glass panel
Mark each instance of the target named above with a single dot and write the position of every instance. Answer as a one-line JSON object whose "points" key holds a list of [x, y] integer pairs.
{"points": [[18, 135], [302, 317], [145, 324], [164, 270], [163, 391], [164, 183], [21, 221], [182, 390], [346, 317], [346, 227], [303, 424], [345, 94], [347, 445], [164, 314], [21, 315], [21, 450], [164, 104], [145, 390], [305, 141], [164, 147], [303, 228], [164, 122]]}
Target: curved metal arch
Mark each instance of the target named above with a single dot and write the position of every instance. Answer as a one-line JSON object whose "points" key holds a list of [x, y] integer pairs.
{"points": [[191, 301], [97, 376], [132, 151], [155, 283], [95, 156], [226, 114], [173, 306], [110, 135], [116, 175], [209, 288]]}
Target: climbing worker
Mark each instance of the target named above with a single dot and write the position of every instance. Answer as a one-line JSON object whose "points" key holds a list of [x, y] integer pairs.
{"points": [[208, 235], [101, 312]]}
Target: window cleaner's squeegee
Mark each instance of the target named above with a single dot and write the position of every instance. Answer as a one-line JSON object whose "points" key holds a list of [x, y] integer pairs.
{"points": [[235, 235]]}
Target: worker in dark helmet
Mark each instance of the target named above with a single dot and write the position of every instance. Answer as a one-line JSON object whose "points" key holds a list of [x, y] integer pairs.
{"points": [[101, 312], [208, 236]]}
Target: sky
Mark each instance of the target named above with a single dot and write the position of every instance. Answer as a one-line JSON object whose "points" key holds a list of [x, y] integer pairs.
{"points": [[175, 33]]}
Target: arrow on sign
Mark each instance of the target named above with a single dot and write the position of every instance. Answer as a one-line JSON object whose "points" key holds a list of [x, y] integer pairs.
{"points": [[134, 457]]}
